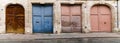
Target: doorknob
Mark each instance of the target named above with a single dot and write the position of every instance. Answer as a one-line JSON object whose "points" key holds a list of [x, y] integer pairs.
{"points": [[104, 22]]}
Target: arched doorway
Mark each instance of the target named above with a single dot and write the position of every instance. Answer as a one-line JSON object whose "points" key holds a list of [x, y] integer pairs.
{"points": [[101, 18], [15, 19]]}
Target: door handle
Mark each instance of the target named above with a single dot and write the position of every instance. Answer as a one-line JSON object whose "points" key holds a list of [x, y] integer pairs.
{"points": [[37, 21], [104, 22]]}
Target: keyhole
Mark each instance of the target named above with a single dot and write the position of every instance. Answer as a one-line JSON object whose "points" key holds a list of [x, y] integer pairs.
{"points": [[104, 22]]}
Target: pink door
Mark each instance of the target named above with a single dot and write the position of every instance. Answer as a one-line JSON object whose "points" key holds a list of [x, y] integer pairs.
{"points": [[71, 18], [101, 19]]}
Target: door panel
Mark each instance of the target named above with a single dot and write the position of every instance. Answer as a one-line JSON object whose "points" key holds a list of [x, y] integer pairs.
{"points": [[66, 21], [65, 10], [94, 22], [48, 9], [76, 21], [104, 10], [37, 24], [76, 10], [94, 10], [105, 23], [10, 24], [66, 29], [76, 29], [37, 10], [48, 24], [66, 25]]}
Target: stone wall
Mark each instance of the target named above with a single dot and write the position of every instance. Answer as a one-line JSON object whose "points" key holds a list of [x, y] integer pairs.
{"points": [[86, 6]]}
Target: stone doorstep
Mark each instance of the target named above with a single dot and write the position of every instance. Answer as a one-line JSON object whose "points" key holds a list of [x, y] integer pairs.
{"points": [[62, 35]]}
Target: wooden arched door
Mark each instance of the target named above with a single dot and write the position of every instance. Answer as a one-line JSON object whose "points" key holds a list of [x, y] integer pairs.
{"points": [[15, 19], [101, 18]]}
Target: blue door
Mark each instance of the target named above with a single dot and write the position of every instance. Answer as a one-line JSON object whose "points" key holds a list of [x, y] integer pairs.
{"points": [[42, 18]]}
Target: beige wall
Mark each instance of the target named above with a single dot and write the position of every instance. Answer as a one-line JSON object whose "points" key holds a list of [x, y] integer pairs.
{"points": [[86, 6]]}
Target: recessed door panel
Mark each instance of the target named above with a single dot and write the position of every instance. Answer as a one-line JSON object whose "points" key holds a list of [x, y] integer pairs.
{"points": [[76, 21], [105, 23], [66, 25], [94, 10], [76, 29], [37, 24], [48, 24], [37, 10], [48, 9], [66, 29], [65, 10], [94, 22], [104, 10], [66, 21], [76, 10]]}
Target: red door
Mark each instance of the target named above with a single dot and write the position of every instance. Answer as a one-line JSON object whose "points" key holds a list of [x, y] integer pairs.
{"points": [[71, 18], [101, 18]]}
